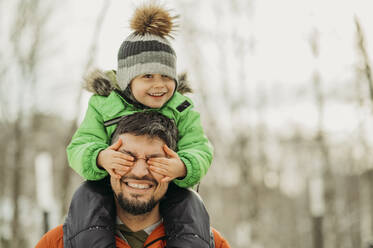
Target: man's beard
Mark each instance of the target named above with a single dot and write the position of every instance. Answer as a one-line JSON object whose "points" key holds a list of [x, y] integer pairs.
{"points": [[136, 207]]}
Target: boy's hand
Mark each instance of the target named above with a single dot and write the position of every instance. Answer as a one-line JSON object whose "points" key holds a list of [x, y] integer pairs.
{"points": [[171, 167], [115, 163]]}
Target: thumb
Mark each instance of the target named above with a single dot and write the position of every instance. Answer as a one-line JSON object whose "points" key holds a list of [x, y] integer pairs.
{"points": [[170, 152], [166, 179], [116, 145]]}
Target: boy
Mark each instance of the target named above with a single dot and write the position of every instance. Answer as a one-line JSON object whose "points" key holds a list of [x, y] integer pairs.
{"points": [[146, 81]]}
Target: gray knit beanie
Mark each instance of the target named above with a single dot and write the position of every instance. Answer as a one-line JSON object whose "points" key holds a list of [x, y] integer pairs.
{"points": [[147, 50]]}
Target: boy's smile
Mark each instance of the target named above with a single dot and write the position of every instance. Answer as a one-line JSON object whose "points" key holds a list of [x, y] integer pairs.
{"points": [[153, 90]]}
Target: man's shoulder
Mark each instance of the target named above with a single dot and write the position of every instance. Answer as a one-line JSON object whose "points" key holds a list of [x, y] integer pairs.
{"points": [[53, 238]]}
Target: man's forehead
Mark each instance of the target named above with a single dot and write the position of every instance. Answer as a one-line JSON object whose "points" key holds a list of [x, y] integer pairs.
{"points": [[144, 143]]}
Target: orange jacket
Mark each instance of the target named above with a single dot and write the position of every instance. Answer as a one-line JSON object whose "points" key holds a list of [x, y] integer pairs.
{"points": [[54, 239]]}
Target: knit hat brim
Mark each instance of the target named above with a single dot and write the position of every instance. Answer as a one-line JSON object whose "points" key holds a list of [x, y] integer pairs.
{"points": [[126, 74]]}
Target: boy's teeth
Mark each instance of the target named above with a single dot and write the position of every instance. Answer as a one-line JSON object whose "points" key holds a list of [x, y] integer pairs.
{"points": [[157, 94], [139, 186]]}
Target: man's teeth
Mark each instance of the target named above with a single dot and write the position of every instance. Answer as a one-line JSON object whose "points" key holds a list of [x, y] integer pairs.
{"points": [[138, 186]]}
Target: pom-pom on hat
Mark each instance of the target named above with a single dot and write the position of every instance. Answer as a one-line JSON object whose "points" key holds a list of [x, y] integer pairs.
{"points": [[147, 50]]}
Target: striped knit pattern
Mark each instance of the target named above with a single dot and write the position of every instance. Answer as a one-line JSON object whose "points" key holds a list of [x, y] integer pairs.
{"points": [[145, 54]]}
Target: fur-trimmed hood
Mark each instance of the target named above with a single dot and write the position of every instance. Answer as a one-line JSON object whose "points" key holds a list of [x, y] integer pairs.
{"points": [[103, 83]]}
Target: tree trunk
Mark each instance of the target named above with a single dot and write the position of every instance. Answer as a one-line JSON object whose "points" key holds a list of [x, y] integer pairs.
{"points": [[318, 239], [361, 45], [331, 227], [16, 182]]}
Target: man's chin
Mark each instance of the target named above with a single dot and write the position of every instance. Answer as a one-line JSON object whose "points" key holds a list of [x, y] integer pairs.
{"points": [[135, 206]]}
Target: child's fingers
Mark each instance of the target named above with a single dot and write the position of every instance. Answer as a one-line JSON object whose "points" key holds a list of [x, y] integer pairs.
{"points": [[121, 172], [158, 165], [113, 174], [166, 179], [170, 152], [158, 161], [122, 162], [116, 166], [116, 145], [124, 156], [159, 170], [159, 191]]}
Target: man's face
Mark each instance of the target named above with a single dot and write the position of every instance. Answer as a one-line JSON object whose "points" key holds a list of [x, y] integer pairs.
{"points": [[140, 190]]}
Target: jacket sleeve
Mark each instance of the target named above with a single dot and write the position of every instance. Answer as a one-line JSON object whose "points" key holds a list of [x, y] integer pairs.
{"points": [[194, 149], [87, 142]]}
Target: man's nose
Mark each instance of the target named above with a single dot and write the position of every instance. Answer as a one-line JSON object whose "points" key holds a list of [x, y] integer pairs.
{"points": [[140, 168]]}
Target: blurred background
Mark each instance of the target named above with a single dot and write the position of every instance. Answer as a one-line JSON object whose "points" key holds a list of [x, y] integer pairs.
{"points": [[285, 92]]}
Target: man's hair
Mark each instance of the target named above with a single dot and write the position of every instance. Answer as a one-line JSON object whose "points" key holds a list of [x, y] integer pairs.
{"points": [[150, 123]]}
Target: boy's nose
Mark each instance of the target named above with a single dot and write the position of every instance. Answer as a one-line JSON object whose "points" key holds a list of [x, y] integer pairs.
{"points": [[158, 83]]}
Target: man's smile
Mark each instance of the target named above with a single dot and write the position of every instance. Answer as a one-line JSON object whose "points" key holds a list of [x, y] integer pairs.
{"points": [[139, 185]]}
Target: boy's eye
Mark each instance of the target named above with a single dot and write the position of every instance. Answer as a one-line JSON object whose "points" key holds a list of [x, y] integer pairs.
{"points": [[165, 76], [148, 76]]}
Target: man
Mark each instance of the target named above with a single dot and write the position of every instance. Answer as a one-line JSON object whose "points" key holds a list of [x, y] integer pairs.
{"points": [[136, 194]]}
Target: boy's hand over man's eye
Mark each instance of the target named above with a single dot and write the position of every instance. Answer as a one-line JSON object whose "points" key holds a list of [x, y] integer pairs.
{"points": [[171, 167], [115, 163]]}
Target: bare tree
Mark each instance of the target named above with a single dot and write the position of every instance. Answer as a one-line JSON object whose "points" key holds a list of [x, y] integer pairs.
{"points": [[90, 61], [364, 73], [363, 51], [30, 18], [330, 220]]}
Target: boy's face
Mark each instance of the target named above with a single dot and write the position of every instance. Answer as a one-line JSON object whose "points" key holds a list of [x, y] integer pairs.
{"points": [[152, 90]]}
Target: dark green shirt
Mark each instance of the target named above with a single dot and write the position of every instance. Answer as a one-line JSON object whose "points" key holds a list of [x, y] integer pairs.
{"points": [[134, 239]]}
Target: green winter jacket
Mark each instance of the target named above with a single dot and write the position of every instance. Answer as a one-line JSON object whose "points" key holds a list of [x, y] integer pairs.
{"points": [[106, 105]]}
